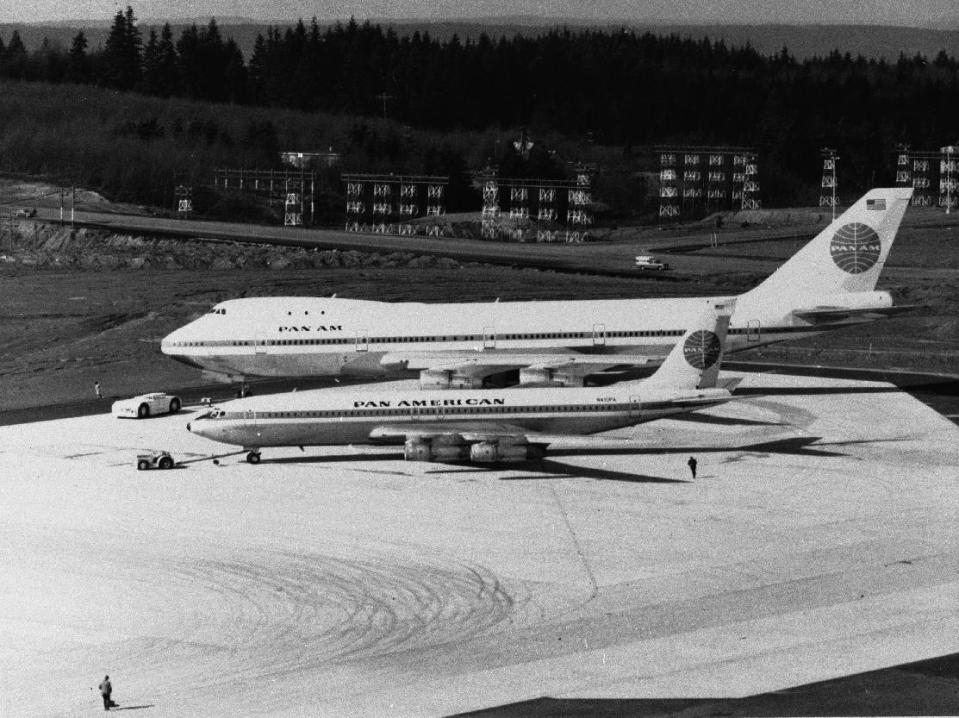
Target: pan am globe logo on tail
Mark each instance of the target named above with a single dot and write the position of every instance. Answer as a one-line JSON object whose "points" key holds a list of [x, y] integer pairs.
{"points": [[701, 349], [855, 248]]}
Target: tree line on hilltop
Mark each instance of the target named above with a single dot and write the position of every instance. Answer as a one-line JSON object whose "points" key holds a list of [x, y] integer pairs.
{"points": [[618, 88]]}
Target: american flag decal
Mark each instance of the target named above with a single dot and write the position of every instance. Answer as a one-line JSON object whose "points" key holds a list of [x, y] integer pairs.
{"points": [[878, 204]]}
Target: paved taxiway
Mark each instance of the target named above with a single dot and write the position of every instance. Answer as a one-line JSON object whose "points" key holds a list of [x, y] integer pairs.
{"points": [[820, 540]]}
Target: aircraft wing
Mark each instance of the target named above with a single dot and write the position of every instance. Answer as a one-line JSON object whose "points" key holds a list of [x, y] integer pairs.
{"points": [[485, 362], [467, 431], [826, 314]]}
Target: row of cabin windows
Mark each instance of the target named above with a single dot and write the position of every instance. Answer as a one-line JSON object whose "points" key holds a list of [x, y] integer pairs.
{"points": [[454, 338], [421, 410], [468, 338]]}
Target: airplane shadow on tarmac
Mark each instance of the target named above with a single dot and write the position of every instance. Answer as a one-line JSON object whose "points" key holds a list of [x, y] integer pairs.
{"points": [[740, 393], [542, 468], [564, 471], [796, 446], [131, 708], [549, 468], [925, 688]]}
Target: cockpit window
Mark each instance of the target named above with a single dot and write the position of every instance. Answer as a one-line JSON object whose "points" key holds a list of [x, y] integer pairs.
{"points": [[217, 310]]}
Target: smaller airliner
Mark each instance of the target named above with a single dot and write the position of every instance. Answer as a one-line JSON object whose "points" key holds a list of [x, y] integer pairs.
{"points": [[481, 426]]}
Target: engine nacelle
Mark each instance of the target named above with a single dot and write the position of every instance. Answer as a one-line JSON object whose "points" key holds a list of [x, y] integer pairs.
{"points": [[496, 451], [439, 379], [539, 376], [434, 450]]}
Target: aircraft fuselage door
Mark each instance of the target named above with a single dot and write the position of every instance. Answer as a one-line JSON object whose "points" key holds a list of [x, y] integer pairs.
{"points": [[489, 338], [259, 343], [599, 335], [752, 330], [635, 407], [362, 341], [250, 417]]}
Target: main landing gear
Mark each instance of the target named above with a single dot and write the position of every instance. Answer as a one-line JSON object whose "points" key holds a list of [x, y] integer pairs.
{"points": [[253, 456]]}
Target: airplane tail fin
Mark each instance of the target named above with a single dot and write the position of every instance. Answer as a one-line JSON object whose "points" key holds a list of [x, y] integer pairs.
{"points": [[847, 256], [694, 362]]}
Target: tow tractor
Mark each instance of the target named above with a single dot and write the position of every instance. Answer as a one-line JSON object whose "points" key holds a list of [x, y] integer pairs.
{"points": [[155, 460]]}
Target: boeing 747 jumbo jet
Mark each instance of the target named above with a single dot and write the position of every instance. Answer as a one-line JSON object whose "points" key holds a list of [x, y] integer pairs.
{"points": [[830, 283], [482, 426]]}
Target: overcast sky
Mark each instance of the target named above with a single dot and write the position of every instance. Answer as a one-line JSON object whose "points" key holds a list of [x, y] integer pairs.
{"points": [[870, 12]]}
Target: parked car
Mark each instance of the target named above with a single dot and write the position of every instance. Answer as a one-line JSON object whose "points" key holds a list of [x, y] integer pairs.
{"points": [[645, 262], [23, 212], [155, 460], [140, 407]]}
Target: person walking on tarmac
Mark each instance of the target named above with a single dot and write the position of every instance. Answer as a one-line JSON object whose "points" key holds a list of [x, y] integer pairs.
{"points": [[96, 390], [692, 465], [106, 691]]}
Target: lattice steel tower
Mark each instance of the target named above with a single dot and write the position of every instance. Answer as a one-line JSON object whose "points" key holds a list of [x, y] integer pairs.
{"points": [[827, 195]]}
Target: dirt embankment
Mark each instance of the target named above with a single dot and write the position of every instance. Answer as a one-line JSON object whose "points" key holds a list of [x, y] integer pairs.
{"points": [[27, 243]]}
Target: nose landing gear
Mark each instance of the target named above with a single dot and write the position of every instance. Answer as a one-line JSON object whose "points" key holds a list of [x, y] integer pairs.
{"points": [[253, 456]]}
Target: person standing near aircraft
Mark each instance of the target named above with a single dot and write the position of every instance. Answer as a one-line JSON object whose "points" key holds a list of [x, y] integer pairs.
{"points": [[692, 465], [96, 390], [106, 692]]}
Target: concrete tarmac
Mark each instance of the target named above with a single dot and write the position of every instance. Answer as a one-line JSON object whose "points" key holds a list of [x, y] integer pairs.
{"points": [[818, 541]]}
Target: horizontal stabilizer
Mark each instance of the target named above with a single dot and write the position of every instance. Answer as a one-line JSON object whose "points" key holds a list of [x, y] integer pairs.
{"points": [[729, 383], [835, 314], [705, 398]]}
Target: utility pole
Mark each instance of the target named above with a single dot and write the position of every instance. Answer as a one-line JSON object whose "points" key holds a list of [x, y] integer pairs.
{"points": [[384, 97]]}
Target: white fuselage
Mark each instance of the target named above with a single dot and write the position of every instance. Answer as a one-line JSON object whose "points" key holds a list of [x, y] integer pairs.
{"points": [[304, 336], [328, 417]]}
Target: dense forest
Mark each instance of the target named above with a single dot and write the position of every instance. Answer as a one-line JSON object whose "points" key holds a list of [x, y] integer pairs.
{"points": [[616, 88]]}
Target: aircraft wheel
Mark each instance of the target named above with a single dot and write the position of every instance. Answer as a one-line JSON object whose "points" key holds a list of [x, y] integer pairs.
{"points": [[174, 405], [165, 463], [143, 465], [143, 411], [253, 457]]}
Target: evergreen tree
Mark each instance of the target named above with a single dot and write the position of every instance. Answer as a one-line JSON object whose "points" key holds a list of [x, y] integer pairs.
{"points": [[13, 63], [166, 62], [152, 80], [78, 65], [121, 58]]}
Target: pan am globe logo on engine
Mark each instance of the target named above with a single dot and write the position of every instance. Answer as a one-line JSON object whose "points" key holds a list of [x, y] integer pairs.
{"points": [[701, 349], [855, 248]]}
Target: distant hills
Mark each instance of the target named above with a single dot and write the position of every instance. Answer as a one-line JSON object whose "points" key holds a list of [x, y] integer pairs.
{"points": [[802, 41]]}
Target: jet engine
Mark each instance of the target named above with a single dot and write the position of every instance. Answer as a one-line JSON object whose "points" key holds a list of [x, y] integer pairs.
{"points": [[504, 450], [434, 449], [442, 379], [545, 376]]}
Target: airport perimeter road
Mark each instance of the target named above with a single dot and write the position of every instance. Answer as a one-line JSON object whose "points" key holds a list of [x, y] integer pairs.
{"points": [[613, 259], [818, 541]]}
